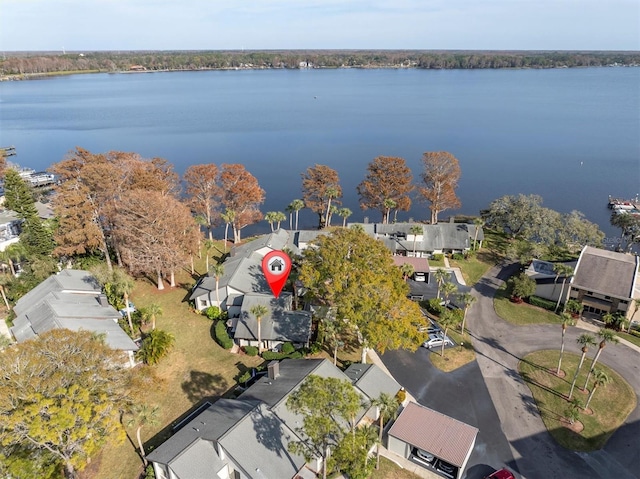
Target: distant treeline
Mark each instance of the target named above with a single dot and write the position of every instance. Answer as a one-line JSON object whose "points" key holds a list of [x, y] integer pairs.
{"points": [[48, 62]]}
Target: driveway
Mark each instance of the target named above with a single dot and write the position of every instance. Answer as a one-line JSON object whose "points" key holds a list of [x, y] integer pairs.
{"points": [[460, 394], [499, 347]]}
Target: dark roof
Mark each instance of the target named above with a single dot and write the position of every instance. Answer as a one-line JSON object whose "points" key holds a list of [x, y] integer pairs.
{"points": [[606, 272], [279, 324], [209, 425], [431, 431]]}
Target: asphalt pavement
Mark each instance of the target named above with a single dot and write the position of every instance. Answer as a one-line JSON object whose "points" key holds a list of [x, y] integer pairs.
{"points": [[490, 395]]}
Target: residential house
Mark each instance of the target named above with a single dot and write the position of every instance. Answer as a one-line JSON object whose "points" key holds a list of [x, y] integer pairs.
{"points": [[71, 299], [548, 284], [281, 324], [441, 238], [432, 439], [10, 228], [249, 437], [606, 281]]}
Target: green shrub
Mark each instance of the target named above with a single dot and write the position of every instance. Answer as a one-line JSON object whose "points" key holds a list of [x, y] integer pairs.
{"points": [[574, 306], [271, 355], [437, 257], [213, 313], [155, 346], [542, 303], [251, 350], [401, 396], [434, 306], [635, 333], [222, 337], [315, 348], [288, 348], [457, 256], [245, 377]]}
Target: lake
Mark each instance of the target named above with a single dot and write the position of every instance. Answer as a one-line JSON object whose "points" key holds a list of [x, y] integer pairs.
{"points": [[571, 136]]}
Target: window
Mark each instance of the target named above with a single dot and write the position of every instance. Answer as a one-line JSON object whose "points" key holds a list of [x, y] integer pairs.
{"points": [[203, 303], [607, 297]]}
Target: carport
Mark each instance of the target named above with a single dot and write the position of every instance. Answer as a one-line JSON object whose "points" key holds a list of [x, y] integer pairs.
{"points": [[432, 439]]}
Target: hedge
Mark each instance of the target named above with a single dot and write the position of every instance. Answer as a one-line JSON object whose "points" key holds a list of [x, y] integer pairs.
{"points": [[251, 350], [222, 337], [271, 355], [288, 348], [542, 303]]}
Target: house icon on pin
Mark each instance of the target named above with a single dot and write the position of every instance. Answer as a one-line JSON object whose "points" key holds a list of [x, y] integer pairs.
{"points": [[276, 265]]}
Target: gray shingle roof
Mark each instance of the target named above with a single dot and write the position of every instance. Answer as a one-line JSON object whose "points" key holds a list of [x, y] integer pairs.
{"points": [[69, 300], [372, 380], [260, 442], [279, 324], [199, 460], [209, 425], [606, 272], [431, 431], [276, 240]]}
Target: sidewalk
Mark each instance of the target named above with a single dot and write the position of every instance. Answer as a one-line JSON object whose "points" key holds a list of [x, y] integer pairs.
{"points": [[4, 329], [586, 325]]}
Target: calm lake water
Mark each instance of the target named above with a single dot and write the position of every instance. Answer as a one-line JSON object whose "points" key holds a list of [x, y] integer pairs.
{"points": [[569, 135]]}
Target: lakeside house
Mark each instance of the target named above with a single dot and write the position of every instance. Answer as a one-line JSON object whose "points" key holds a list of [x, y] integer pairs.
{"points": [[71, 299], [603, 281]]}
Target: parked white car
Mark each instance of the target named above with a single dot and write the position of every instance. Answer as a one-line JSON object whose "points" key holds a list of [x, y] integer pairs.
{"points": [[435, 340]]}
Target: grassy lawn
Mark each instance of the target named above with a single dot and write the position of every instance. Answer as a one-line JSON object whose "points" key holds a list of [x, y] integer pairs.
{"points": [[390, 470], [436, 264], [196, 369], [454, 357], [521, 313], [630, 337], [610, 406], [472, 268]]}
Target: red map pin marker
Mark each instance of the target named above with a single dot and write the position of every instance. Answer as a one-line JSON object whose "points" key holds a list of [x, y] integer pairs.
{"points": [[276, 266]]}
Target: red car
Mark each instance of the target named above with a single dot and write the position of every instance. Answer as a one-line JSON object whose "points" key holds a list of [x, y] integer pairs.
{"points": [[501, 474]]}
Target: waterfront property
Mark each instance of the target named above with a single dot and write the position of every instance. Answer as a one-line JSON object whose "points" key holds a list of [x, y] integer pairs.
{"points": [[71, 299]]}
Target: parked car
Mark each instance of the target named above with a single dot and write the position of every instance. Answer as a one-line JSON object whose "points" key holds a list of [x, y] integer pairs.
{"points": [[420, 276], [425, 455], [501, 474], [446, 468], [436, 339]]}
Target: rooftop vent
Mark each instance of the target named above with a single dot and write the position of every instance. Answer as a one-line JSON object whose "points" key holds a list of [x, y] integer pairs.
{"points": [[273, 369]]}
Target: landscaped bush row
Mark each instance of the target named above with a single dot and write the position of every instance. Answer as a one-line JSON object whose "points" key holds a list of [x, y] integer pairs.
{"points": [[222, 337], [251, 350], [271, 355], [542, 303]]}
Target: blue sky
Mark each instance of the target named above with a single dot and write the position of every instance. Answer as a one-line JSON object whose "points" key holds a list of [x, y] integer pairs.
{"points": [[89, 25]]}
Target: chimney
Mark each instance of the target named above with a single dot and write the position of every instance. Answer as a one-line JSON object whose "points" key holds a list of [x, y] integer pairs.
{"points": [[102, 300], [273, 369]]}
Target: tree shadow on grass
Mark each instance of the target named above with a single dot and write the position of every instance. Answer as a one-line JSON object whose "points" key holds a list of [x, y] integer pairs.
{"points": [[204, 385]]}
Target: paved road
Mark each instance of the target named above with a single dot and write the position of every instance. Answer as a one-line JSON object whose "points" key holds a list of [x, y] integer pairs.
{"points": [[490, 395], [499, 347]]}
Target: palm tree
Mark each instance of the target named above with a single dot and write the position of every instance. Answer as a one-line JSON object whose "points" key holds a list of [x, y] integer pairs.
{"points": [[387, 406], [155, 346], [565, 271], [217, 271], [467, 299], [566, 320], [208, 244], [329, 193], [143, 415], [416, 230], [259, 310], [4, 280], [228, 217], [270, 217], [573, 413], [607, 336], [441, 276], [479, 223], [123, 284], [14, 254], [600, 378], [150, 312], [296, 206], [585, 340], [448, 289], [389, 204], [344, 213], [447, 320], [407, 270], [332, 211]]}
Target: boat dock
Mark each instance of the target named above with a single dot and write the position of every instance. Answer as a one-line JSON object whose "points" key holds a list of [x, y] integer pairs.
{"points": [[620, 205]]}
